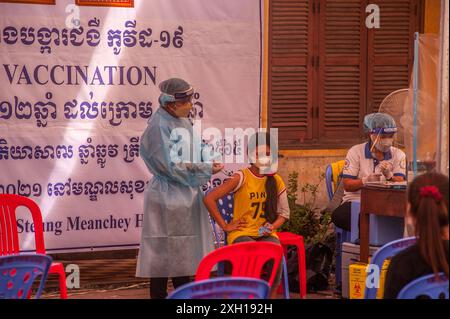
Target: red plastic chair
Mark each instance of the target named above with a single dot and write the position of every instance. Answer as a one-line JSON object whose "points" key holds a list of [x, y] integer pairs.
{"points": [[247, 260], [290, 239], [9, 237]]}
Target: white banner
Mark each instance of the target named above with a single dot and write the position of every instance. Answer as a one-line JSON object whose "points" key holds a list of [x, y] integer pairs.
{"points": [[77, 87]]}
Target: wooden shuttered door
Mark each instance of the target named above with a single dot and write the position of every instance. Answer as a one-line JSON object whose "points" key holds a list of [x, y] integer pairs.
{"points": [[391, 49], [342, 69], [290, 72], [327, 70]]}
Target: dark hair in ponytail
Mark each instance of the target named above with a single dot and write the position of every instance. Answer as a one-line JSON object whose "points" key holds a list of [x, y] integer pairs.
{"points": [[428, 197], [271, 184], [272, 199]]}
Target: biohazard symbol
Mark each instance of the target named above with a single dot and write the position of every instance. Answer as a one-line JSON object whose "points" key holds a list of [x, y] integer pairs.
{"points": [[357, 289]]}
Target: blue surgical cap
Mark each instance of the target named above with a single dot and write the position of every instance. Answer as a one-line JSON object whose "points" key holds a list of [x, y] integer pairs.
{"points": [[379, 123], [174, 89]]}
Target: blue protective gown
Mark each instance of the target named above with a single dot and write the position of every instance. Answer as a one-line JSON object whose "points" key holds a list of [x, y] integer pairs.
{"points": [[176, 232]]}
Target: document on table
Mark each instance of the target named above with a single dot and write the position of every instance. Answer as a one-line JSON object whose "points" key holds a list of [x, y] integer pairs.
{"points": [[387, 184]]}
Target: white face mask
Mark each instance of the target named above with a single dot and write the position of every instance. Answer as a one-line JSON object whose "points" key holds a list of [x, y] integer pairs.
{"points": [[382, 144], [385, 144], [182, 110], [264, 162]]}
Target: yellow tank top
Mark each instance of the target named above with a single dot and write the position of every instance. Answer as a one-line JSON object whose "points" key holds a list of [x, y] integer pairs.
{"points": [[249, 203]]}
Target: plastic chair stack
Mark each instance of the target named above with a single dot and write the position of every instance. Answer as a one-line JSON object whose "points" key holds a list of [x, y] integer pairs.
{"points": [[19, 272], [9, 238], [223, 288]]}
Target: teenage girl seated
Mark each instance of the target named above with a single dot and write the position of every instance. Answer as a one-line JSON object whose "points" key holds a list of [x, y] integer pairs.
{"points": [[428, 215], [260, 199]]}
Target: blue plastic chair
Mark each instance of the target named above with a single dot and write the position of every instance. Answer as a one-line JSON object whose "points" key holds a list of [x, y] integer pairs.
{"points": [[225, 205], [387, 251], [223, 288], [342, 236], [19, 272], [431, 286], [329, 181]]}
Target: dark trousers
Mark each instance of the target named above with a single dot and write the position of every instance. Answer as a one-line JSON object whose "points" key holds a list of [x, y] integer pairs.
{"points": [[158, 286], [342, 216]]}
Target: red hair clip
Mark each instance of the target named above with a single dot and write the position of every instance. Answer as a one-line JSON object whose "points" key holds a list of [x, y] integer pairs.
{"points": [[431, 191]]}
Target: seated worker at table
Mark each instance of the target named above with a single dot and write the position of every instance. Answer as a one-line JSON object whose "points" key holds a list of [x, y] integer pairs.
{"points": [[260, 199], [370, 161], [427, 213]]}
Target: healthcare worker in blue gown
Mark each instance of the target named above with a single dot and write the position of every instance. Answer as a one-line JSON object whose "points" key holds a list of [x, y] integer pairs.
{"points": [[176, 232]]}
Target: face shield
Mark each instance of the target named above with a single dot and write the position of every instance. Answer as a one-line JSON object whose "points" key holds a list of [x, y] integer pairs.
{"points": [[382, 130], [383, 139], [183, 103]]}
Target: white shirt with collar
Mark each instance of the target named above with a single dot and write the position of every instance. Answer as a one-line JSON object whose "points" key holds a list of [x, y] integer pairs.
{"points": [[360, 163]]}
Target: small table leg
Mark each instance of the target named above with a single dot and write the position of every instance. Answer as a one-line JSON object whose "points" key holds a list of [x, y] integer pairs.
{"points": [[364, 236]]}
